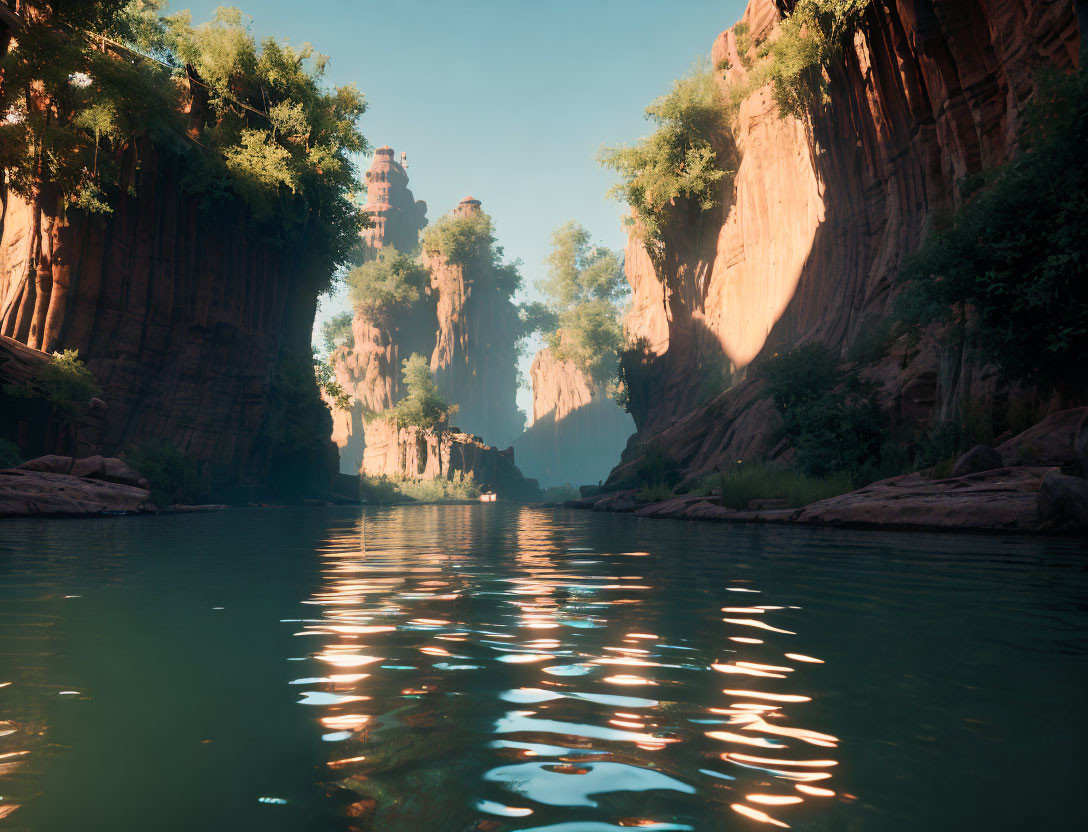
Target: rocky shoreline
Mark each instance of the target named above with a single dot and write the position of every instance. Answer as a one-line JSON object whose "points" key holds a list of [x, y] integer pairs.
{"points": [[61, 486], [1046, 492]]}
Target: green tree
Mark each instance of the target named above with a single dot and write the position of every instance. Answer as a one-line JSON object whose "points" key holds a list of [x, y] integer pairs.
{"points": [[469, 239], [83, 79], [337, 332], [327, 383], [684, 160], [1009, 272], [580, 318], [392, 280], [423, 406]]}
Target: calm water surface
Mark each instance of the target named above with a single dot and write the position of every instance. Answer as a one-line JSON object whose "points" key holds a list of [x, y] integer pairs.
{"points": [[493, 668]]}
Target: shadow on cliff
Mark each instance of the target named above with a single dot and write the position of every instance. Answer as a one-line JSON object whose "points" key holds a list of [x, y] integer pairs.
{"points": [[579, 448]]}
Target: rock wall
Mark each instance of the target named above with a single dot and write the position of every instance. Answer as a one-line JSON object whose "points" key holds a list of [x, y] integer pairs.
{"points": [[182, 315], [810, 235], [576, 432], [417, 453], [474, 358]]}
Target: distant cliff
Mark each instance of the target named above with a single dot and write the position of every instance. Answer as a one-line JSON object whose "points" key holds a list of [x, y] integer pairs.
{"points": [[576, 432], [810, 232], [464, 322]]}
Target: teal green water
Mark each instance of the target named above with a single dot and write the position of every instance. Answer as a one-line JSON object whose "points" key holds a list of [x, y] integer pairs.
{"points": [[496, 668]]}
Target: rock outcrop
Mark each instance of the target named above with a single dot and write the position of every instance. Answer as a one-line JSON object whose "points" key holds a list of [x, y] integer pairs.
{"points": [[811, 231], [575, 432], [474, 358], [451, 454], [58, 486], [183, 314]]}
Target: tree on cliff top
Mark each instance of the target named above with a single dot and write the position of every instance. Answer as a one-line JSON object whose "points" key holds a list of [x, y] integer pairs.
{"points": [[809, 39], [469, 240], [423, 406], [391, 281], [84, 79], [580, 320], [678, 161]]}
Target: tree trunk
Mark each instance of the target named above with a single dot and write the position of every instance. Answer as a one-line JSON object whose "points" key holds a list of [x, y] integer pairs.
{"points": [[41, 231], [61, 269]]}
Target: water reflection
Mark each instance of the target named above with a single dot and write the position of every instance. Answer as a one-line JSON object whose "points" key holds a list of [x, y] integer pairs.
{"points": [[550, 689]]}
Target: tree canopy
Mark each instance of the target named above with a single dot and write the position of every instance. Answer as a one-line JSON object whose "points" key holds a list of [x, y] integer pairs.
{"points": [[337, 332], [580, 318], [678, 160], [423, 406], [87, 78], [466, 239], [392, 280]]}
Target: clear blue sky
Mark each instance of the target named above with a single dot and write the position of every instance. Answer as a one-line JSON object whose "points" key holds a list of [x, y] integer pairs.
{"points": [[506, 100]]}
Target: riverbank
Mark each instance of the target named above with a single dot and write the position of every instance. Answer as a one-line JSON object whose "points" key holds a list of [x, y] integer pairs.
{"points": [[1022, 500]]}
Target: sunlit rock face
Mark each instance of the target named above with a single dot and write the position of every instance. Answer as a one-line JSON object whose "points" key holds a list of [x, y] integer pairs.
{"points": [[184, 315], [451, 454], [474, 358], [576, 433], [809, 239], [370, 370], [464, 325]]}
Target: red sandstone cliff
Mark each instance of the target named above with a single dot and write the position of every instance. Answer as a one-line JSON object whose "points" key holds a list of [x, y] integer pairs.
{"points": [[418, 453], [474, 358], [181, 313], [810, 235]]}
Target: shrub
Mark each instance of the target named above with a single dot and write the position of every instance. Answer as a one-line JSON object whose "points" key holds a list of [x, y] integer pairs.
{"points": [[65, 382], [391, 281], [1010, 268], [656, 469], [830, 417], [298, 419], [9, 454], [399, 490], [808, 41], [742, 483], [801, 374], [423, 406], [678, 160], [172, 474]]}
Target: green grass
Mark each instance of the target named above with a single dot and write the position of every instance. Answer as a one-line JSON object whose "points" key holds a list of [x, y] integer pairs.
{"points": [[654, 493], [755, 481], [396, 490]]}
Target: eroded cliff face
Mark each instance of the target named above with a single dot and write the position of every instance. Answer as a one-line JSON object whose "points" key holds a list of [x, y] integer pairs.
{"points": [[474, 358], [811, 233], [418, 453], [184, 316], [576, 432]]}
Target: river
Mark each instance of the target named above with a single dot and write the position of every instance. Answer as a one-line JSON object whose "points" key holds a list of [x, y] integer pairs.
{"points": [[495, 668]]}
